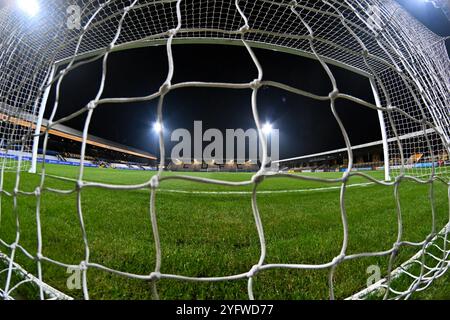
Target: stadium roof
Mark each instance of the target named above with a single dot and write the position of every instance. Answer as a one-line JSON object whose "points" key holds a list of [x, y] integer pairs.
{"points": [[76, 135]]}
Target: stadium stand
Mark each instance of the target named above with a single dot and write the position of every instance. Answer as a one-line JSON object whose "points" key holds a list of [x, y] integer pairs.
{"points": [[230, 166], [64, 145], [211, 166]]}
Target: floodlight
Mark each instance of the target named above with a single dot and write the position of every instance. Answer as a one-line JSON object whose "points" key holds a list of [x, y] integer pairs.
{"points": [[267, 128], [157, 127], [31, 7]]}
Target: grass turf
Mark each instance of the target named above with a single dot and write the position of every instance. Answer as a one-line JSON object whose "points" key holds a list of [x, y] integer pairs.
{"points": [[214, 234]]}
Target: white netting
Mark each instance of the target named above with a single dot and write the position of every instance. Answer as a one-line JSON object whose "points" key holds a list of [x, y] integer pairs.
{"points": [[407, 65]]}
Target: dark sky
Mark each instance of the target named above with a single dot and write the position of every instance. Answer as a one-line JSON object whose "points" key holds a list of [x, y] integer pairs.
{"points": [[306, 126], [433, 18]]}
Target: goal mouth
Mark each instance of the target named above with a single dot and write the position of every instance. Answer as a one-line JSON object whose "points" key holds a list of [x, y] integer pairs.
{"points": [[408, 70]]}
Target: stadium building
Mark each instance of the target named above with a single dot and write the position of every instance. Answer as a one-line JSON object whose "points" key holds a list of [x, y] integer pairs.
{"points": [[64, 145]]}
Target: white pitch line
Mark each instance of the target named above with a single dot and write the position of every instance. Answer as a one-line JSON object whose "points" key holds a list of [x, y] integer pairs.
{"points": [[365, 184], [264, 191]]}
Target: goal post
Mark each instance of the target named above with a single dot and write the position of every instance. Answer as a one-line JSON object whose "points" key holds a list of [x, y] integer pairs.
{"points": [[407, 66], [384, 136], [41, 104]]}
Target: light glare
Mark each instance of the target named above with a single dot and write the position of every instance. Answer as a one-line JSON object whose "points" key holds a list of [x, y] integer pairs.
{"points": [[267, 128], [31, 7], [157, 127]]}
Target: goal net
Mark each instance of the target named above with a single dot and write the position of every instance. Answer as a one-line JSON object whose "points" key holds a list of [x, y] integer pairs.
{"points": [[406, 64]]}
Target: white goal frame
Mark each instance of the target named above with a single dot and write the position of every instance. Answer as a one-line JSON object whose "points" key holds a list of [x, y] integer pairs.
{"points": [[141, 44]]}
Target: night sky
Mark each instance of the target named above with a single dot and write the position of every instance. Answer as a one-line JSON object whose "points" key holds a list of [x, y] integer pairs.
{"points": [[306, 126]]}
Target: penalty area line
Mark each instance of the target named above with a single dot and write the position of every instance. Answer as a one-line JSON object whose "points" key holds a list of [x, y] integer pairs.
{"points": [[264, 191], [180, 191]]}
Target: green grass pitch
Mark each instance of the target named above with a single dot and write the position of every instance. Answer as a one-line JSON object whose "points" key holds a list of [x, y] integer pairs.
{"points": [[213, 233]]}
